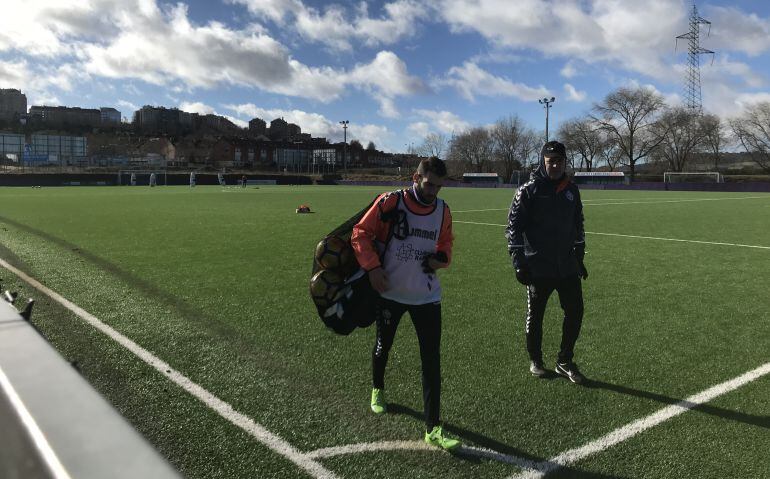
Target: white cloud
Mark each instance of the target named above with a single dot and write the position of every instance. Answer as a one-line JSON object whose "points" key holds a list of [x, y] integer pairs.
{"points": [[37, 82], [592, 31], [388, 108], [444, 121], [388, 74], [746, 99], [418, 129], [471, 81], [573, 94], [379, 135], [569, 70], [732, 29], [13, 74], [384, 78], [197, 107], [237, 121], [338, 30], [127, 105], [136, 39]]}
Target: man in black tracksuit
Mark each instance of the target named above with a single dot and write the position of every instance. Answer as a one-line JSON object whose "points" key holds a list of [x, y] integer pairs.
{"points": [[546, 241]]}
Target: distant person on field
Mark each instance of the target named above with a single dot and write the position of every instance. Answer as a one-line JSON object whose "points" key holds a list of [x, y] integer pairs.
{"points": [[401, 241], [243, 181], [546, 242]]}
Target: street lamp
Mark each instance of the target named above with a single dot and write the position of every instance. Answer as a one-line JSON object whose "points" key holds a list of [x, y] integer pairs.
{"points": [[547, 102], [344, 124]]}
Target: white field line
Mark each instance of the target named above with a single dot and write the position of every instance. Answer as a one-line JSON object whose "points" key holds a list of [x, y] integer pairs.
{"points": [[55, 466], [632, 429], [620, 202], [638, 237], [257, 431], [484, 453]]}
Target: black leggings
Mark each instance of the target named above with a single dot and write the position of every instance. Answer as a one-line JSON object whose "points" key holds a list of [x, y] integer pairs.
{"points": [[427, 322], [571, 300]]}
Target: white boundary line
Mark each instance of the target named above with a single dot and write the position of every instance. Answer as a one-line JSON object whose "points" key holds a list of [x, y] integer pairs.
{"points": [[632, 429], [55, 466], [620, 202], [257, 431], [638, 237]]}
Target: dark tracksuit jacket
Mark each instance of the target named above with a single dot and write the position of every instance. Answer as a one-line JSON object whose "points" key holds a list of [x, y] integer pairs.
{"points": [[545, 234]]}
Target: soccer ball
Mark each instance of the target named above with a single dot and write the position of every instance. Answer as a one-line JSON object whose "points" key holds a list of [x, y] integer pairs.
{"points": [[336, 254], [325, 287]]}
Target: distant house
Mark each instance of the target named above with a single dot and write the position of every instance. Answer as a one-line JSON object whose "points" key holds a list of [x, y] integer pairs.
{"points": [[13, 104]]}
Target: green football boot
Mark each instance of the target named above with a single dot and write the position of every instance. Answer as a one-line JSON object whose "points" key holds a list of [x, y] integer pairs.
{"points": [[378, 401], [437, 438]]}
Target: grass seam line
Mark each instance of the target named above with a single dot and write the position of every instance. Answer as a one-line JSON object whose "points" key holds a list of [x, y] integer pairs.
{"points": [[52, 462], [640, 425], [225, 410], [638, 237]]}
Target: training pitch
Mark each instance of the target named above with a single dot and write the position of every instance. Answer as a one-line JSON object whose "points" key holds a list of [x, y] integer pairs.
{"points": [[230, 374]]}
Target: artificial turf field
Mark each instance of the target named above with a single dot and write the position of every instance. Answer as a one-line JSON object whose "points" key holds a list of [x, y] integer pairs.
{"points": [[214, 282]]}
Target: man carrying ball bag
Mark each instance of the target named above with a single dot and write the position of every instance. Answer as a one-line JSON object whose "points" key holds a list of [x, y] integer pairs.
{"points": [[400, 242]]}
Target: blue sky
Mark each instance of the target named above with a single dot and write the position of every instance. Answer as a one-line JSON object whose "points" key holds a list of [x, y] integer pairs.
{"points": [[396, 70]]}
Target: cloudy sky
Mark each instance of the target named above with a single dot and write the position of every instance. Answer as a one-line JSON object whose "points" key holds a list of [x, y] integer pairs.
{"points": [[396, 70]]}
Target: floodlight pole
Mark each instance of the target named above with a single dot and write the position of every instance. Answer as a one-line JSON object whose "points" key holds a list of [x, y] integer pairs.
{"points": [[547, 102], [344, 124]]}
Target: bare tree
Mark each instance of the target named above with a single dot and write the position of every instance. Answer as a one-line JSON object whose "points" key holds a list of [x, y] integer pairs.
{"points": [[683, 134], [583, 141], [628, 115], [609, 151], [752, 130], [435, 144], [512, 143], [473, 147], [716, 137], [371, 146]]}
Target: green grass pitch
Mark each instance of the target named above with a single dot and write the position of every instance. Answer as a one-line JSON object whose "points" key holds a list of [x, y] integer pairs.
{"points": [[214, 282]]}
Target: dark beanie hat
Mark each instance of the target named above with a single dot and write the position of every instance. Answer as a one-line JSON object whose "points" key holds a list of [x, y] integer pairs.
{"points": [[554, 148]]}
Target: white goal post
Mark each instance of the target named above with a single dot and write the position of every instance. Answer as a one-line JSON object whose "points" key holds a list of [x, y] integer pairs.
{"points": [[693, 177]]}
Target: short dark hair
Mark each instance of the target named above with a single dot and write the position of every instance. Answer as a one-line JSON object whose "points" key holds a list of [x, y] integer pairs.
{"points": [[433, 164]]}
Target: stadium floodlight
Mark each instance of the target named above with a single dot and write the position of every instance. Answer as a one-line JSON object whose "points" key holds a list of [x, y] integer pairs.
{"points": [[344, 124], [547, 103]]}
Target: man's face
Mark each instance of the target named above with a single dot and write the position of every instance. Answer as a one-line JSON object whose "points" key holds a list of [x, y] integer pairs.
{"points": [[428, 185], [554, 166]]}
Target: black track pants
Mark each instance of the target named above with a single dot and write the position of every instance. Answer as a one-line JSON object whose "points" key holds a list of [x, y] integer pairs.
{"points": [[570, 293], [427, 322]]}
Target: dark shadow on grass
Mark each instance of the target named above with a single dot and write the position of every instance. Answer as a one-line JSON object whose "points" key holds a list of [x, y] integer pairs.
{"points": [[489, 443], [761, 421], [475, 437]]}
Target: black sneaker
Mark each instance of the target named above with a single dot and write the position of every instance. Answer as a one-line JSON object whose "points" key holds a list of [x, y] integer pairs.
{"points": [[570, 371], [537, 369]]}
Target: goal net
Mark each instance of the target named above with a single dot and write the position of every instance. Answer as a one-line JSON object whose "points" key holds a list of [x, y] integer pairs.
{"points": [[693, 177]]}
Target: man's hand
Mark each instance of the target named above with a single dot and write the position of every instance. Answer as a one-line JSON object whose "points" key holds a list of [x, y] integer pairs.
{"points": [[379, 280], [582, 271], [524, 275], [434, 261]]}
